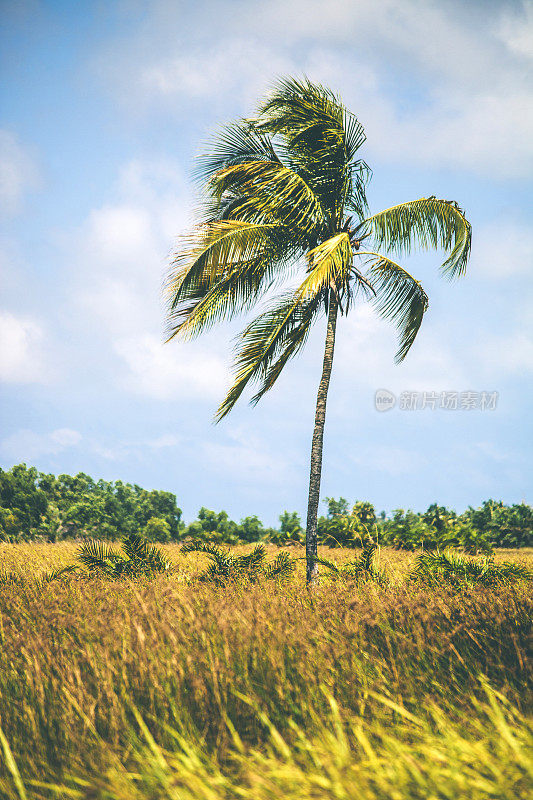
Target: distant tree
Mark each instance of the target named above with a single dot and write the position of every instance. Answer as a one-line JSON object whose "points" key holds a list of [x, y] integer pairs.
{"points": [[290, 529], [336, 508], [157, 530]]}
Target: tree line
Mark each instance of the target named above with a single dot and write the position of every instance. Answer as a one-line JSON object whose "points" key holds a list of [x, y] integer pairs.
{"points": [[35, 505]]}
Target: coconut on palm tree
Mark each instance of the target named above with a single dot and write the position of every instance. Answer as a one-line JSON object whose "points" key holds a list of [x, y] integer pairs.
{"points": [[285, 193]]}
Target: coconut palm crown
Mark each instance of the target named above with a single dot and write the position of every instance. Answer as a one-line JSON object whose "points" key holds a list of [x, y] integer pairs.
{"points": [[284, 195]]}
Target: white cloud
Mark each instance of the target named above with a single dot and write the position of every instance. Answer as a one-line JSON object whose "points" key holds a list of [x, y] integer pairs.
{"points": [[469, 101], [21, 349], [26, 445], [120, 236], [516, 30], [166, 372], [165, 440], [18, 173]]}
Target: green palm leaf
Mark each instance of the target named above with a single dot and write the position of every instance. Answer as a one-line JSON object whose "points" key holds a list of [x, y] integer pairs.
{"points": [[226, 266], [428, 222], [281, 568], [320, 136], [267, 344], [399, 297], [98, 556], [252, 562], [329, 266], [237, 143], [272, 192]]}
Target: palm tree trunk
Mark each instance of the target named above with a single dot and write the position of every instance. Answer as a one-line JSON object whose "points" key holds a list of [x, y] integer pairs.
{"points": [[311, 539]]}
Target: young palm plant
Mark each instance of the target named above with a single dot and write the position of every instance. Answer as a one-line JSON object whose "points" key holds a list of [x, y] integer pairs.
{"points": [[138, 558], [285, 194], [456, 570], [362, 570], [226, 568]]}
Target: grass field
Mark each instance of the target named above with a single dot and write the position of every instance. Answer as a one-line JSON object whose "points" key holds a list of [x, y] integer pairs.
{"points": [[161, 689]]}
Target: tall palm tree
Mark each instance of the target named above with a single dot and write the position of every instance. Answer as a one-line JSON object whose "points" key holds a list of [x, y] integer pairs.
{"points": [[285, 193]]}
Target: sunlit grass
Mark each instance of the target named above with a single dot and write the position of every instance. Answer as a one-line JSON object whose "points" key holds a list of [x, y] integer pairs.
{"points": [[159, 689]]}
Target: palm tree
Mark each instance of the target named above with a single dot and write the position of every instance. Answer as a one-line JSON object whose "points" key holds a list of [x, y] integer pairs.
{"points": [[285, 193]]}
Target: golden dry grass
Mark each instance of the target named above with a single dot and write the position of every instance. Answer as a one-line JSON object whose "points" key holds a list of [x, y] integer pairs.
{"points": [[159, 689]]}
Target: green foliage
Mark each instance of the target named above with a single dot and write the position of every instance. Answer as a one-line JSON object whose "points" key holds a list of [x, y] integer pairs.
{"points": [[34, 505], [454, 569], [362, 569], [227, 568], [285, 192], [137, 559], [474, 531], [157, 530], [344, 528], [290, 530]]}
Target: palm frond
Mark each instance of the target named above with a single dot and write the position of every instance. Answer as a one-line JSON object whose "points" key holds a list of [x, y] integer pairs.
{"points": [[331, 565], [428, 222], [281, 331], [98, 556], [329, 266], [227, 568], [236, 143], [320, 135], [143, 555], [251, 562], [272, 192], [308, 115], [399, 297], [221, 557], [222, 270], [459, 571], [281, 568], [56, 574]]}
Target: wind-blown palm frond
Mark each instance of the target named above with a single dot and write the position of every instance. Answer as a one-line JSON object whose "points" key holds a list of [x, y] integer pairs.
{"points": [[311, 118], [362, 569], [399, 297], [56, 574], [281, 568], [428, 222], [143, 555], [139, 558], [271, 192], [222, 271], [329, 266], [268, 343], [320, 136], [237, 143], [251, 562]]}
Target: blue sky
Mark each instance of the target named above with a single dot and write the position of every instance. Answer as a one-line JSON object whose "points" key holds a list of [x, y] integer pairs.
{"points": [[106, 104]]}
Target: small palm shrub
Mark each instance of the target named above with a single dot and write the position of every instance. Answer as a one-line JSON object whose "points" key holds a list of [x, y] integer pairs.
{"points": [[362, 569], [138, 558], [454, 569], [226, 568]]}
